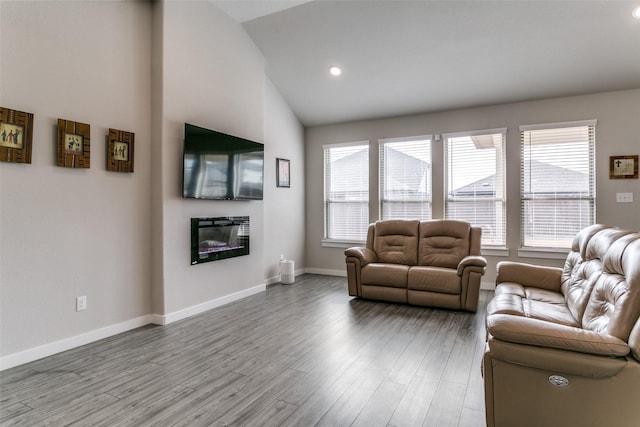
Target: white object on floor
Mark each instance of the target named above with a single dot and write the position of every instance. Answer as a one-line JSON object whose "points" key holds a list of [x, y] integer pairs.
{"points": [[287, 272]]}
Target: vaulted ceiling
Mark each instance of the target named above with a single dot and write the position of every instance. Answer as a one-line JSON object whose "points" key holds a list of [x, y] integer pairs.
{"points": [[403, 57]]}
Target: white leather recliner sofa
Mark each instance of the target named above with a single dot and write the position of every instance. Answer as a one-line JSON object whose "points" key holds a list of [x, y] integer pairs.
{"points": [[563, 345], [434, 263]]}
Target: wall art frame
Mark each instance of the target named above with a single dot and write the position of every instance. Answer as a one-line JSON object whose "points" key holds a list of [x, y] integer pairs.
{"points": [[623, 167], [120, 150], [16, 135], [283, 173], [74, 144]]}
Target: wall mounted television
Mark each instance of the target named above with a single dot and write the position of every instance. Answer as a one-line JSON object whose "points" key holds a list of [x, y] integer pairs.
{"points": [[218, 166]]}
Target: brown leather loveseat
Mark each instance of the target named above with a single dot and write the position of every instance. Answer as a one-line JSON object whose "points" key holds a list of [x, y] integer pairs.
{"points": [[430, 263], [563, 345]]}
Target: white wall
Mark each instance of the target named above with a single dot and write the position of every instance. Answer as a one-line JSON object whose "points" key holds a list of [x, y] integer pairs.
{"points": [[283, 207], [123, 240], [71, 232], [616, 134], [213, 76]]}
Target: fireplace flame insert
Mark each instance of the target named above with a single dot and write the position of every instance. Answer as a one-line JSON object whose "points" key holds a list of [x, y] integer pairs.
{"points": [[213, 239]]}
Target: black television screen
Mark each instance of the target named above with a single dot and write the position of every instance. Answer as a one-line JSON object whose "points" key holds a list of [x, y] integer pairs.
{"points": [[221, 167]]}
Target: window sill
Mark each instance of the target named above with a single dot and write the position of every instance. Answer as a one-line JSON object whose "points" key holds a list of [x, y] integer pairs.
{"points": [[486, 251], [543, 253], [494, 251], [331, 243]]}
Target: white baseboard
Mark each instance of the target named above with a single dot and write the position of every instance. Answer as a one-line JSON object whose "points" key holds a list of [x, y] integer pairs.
{"points": [[50, 349], [45, 350], [166, 319], [327, 272], [276, 278]]}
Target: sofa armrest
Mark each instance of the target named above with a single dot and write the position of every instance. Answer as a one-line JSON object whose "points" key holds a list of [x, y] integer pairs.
{"points": [[524, 330], [365, 255], [529, 275], [472, 261], [554, 360]]}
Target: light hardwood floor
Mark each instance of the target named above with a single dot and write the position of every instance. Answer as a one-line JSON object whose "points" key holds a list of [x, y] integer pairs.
{"points": [[305, 354]]}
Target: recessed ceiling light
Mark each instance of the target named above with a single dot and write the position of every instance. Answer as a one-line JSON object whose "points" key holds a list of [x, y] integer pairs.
{"points": [[335, 71], [636, 12]]}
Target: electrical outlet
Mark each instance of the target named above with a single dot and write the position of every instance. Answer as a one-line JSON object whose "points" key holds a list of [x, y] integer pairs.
{"points": [[624, 197], [81, 303]]}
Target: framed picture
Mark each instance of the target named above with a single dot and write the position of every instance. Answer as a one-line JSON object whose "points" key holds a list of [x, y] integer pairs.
{"points": [[16, 134], [74, 144], [283, 173], [120, 149], [623, 167]]}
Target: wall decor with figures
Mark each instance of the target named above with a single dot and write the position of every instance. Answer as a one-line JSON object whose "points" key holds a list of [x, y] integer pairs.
{"points": [[73, 142], [120, 149], [16, 133]]}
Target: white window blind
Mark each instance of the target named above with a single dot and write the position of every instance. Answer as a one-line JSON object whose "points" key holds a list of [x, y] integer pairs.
{"points": [[557, 182], [405, 178], [346, 191], [475, 182]]}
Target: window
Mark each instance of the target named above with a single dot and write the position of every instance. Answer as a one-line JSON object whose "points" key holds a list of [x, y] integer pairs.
{"points": [[346, 191], [475, 184], [405, 178], [557, 182]]}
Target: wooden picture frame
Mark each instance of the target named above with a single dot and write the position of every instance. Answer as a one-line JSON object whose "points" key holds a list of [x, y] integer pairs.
{"points": [[16, 135], [623, 167], [283, 173], [120, 150], [74, 144]]}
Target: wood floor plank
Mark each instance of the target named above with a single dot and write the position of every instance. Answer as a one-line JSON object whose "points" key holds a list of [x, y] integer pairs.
{"points": [[445, 408], [207, 397], [65, 412], [381, 405], [414, 405], [347, 407], [472, 418], [296, 355], [272, 414], [13, 410]]}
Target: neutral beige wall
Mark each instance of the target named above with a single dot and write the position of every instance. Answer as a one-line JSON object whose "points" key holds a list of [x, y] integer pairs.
{"points": [[123, 239], [617, 113], [284, 232], [71, 232], [213, 76]]}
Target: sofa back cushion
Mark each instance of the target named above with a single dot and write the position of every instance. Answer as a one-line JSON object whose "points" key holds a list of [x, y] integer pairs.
{"points": [[443, 243], [583, 266], [577, 254], [396, 241], [614, 304]]}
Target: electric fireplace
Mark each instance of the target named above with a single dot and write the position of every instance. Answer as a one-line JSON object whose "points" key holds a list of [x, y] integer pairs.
{"points": [[213, 239]]}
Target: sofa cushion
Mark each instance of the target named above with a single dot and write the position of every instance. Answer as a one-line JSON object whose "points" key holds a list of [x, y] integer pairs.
{"points": [[536, 304], [443, 243], [537, 294], [379, 274], [579, 279], [614, 303], [571, 276], [396, 242], [434, 279]]}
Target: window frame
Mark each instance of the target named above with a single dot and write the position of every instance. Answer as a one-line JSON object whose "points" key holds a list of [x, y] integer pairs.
{"points": [[382, 169], [556, 251], [341, 241], [499, 187]]}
